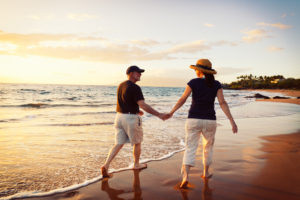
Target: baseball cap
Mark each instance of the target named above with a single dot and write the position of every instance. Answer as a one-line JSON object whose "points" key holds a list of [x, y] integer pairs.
{"points": [[134, 69]]}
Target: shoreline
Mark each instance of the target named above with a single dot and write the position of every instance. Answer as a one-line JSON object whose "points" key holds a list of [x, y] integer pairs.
{"points": [[261, 163], [162, 178], [240, 171], [292, 93]]}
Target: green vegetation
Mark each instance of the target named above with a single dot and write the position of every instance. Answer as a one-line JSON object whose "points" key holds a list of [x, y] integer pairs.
{"points": [[263, 82]]}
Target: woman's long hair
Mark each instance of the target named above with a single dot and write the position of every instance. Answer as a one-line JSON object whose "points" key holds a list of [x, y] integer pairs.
{"points": [[209, 79]]}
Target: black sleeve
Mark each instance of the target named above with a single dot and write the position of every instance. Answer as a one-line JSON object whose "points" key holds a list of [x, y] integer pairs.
{"points": [[219, 85], [190, 83], [138, 94]]}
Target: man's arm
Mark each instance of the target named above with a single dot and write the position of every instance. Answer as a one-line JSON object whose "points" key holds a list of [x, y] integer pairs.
{"points": [[149, 109]]}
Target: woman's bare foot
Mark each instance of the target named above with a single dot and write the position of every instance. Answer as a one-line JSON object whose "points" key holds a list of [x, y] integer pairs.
{"points": [[140, 166], [184, 184], [205, 172], [207, 175]]}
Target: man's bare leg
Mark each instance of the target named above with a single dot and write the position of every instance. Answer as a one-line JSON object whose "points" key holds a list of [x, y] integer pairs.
{"points": [[136, 155], [113, 152]]}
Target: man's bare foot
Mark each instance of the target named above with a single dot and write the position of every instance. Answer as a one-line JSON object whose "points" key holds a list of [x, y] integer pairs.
{"points": [[184, 185], [104, 172], [140, 166]]}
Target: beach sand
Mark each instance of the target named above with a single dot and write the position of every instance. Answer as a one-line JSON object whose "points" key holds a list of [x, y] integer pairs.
{"points": [[276, 178], [294, 101], [260, 165], [292, 93]]}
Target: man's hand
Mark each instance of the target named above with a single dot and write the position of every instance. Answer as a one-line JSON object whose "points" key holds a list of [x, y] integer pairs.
{"points": [[164, 116], [141, 113]]}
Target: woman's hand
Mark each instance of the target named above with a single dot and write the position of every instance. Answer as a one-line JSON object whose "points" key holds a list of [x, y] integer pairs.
{"points": [[165, 116], [234, 126]]}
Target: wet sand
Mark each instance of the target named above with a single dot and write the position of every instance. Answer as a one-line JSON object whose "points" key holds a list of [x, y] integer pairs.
{"points": [[271, 172], [294, 101], [281, 170], [255, 164], [292, 93]]}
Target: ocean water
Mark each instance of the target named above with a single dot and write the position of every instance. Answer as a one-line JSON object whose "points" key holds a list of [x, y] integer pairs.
{"points": [[56, 137]]}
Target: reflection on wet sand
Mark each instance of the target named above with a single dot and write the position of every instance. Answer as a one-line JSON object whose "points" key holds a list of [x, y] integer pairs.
{"points": [[115, 193], [206, 191]]}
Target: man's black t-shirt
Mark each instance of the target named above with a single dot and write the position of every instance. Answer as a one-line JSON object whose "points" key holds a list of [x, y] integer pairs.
{"points": [[203, 99], [129, 94]]}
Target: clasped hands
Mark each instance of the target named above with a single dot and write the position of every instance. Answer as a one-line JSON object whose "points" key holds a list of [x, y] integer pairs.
{"points": [[165, 116], [162, 116]]}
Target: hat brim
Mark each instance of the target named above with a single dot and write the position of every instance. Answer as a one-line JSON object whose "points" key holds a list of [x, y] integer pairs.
{"points": [[208, 71], [139, 71]]}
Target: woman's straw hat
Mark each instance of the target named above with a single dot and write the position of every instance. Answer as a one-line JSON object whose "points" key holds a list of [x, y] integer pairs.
{"points": [[204, 65]]}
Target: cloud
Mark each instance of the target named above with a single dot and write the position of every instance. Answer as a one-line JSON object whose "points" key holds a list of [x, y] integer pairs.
{"points": [[283, 15], [109, 54], [191, 47], [230, 70], [147, 42], [7, 47], [41, 17], [254, 35], [223, 42], [34, 17], [81, 17], [209, 25], [185, 48], [31, 39], [97, 49], [276, 25], [273, 48], [36, 39], [69, 46]]}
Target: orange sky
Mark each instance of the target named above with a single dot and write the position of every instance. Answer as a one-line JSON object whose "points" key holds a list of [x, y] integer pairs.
{"points": [[93, 42]]}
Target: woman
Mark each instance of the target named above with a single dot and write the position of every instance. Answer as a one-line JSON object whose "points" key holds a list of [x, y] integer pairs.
{"points": [[202, 117]]}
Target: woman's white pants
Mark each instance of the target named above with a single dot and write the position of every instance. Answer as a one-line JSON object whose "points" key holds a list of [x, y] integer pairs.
{"points": [[194, 128]]}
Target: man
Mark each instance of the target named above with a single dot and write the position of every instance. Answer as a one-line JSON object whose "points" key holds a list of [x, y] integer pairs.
{"points": [[128, 124]]}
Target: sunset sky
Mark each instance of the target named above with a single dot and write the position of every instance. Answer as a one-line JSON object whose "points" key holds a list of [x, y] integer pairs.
{"points": [[94, 41]]}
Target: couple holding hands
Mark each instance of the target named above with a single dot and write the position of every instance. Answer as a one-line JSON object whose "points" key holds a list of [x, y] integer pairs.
{"points": [[201, 117]]}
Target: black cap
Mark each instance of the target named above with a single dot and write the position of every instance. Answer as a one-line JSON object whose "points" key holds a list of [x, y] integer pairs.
{"points": [[134, 69]]}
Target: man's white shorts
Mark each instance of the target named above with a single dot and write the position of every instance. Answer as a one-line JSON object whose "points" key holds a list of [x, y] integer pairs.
{"points": [[128, 129]]}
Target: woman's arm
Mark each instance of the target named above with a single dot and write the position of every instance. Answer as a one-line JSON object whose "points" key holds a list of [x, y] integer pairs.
{"points": [[182, 100], [225, 108]]}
